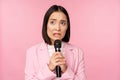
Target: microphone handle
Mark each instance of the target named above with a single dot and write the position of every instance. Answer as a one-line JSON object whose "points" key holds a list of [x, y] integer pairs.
{"points": [[58, 68], [58, 71]]}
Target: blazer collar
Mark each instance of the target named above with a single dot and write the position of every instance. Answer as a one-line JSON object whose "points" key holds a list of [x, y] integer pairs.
{"points": [[43, 46], [44, 55], [67, 46]]}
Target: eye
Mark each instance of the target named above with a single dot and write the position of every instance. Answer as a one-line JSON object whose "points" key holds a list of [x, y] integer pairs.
{"points": [[63, 23], [52, 22]]}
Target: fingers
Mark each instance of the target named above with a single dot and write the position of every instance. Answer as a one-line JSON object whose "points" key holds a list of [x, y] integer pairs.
{"points": [[59, 59], [56, 59], [58, 54]]}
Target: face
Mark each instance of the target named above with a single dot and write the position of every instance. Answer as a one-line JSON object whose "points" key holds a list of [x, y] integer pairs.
{"points": [[57, 26]]}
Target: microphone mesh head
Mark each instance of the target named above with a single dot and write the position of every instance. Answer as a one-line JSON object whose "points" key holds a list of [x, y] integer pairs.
{"points": [[57, 44]]}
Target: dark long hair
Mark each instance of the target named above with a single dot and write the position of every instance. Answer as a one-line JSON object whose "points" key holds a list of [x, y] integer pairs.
{"points": [[52, 9]]}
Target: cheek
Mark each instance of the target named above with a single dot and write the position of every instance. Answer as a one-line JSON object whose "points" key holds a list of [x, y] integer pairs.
{"points": [[49, 27], [49, 30], [64, 31]]}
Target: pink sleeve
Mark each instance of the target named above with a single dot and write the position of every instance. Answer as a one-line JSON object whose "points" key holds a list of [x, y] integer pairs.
{"points": [[33, 71], [80, 72]]}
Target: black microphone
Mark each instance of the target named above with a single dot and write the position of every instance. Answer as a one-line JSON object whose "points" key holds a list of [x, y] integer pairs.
{"points": [[57, 46]]}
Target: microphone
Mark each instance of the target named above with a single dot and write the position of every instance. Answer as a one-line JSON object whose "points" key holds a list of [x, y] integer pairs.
{"points": [[57, 46]]}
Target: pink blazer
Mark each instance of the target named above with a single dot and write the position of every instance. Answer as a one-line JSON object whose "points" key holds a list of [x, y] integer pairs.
{"points": [[37, 59]]}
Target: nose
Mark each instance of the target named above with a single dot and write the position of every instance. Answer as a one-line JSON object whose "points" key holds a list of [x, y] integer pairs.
{"points": [[58, 27]]}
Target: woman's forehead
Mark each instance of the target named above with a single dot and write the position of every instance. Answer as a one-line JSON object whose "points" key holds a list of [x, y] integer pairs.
{"points": [[58, 15]]}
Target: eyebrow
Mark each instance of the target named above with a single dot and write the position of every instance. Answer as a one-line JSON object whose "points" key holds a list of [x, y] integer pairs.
{"points": [[64, 20], [61, 20], [52, 19]]}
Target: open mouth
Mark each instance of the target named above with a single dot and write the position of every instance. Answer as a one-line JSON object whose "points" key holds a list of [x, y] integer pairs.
{"points": [[56, 34]]}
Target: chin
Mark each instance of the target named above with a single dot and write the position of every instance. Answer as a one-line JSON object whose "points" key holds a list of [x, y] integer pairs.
{"points": [[57, 38]]}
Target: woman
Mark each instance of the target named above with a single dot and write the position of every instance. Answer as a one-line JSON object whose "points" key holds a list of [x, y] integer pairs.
{"points": [[42, 59]]}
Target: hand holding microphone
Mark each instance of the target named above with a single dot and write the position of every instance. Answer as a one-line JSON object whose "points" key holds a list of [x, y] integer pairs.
{"points": [[57, 61]]}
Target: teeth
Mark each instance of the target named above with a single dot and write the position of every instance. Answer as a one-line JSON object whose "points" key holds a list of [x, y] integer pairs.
{"points": [[56, 34]]}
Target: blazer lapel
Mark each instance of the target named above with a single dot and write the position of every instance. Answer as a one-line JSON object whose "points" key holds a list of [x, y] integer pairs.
{"points": [[68, 53], [43, 54]]}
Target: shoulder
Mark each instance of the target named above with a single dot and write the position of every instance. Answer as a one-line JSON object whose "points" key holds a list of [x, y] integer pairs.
{"points": [[36, 46], [73, 48]]}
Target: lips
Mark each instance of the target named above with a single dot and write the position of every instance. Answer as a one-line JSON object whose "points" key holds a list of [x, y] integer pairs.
{"points": [[56, 34]]}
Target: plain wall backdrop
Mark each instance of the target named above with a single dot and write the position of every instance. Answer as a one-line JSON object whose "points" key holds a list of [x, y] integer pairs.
{"points": [[95, 27]]}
